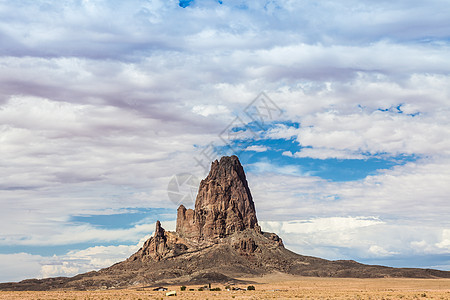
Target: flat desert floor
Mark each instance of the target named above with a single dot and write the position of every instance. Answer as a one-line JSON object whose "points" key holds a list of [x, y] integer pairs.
{"points": [[275, 286]]}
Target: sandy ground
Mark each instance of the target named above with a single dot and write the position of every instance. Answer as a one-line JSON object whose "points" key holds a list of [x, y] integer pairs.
{"points": [[275, 286]]}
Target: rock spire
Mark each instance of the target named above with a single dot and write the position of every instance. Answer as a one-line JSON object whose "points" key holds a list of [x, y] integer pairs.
{"points": [[224, 204]]}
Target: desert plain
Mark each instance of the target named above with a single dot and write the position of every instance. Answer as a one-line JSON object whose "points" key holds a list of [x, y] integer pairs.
{"points": [[273, 286]]}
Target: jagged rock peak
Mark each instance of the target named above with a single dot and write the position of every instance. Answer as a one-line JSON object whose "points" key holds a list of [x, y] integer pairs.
{"points": [[161, 245], [159, 231], [225, 168], [224, 203], [155, 247]]}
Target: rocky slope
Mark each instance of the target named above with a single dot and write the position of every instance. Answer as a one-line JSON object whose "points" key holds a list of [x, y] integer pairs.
{"points": [[217, 241]]}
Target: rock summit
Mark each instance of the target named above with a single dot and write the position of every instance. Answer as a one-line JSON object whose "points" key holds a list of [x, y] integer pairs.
{"points": [[224, 204]]}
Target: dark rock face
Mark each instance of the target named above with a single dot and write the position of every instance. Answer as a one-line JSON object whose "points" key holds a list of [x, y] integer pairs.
{"points": [[186, 223], [224, 204], [161, 245], [274, 237], [155, 247], [158, 245], [246, 246]]}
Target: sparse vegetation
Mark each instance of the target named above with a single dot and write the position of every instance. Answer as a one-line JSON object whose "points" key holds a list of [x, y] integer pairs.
{"points": [[276, 287], [183, 288], [251, 288], [217, 289]]}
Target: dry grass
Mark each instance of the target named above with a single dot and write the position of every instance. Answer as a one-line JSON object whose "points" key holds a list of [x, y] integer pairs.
{"points": [[276, 286]]}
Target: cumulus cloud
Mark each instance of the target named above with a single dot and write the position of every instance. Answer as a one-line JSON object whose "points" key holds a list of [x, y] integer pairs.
{"points": [[77, 234], [364, 238], [415, 191], [325, 153], [18, 266], [256, 148], [23, 265], [444, 244], [380, 251], [93, 258], [376, 133]]}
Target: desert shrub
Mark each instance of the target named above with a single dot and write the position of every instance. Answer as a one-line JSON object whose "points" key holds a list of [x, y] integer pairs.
{"points": [[228, 287], [191, 289], [216, 289], [200, 289], [183, 288], [251, 288]]}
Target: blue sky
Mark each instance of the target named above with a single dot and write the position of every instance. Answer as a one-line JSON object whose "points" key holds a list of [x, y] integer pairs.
{"points": [[339, 112]]}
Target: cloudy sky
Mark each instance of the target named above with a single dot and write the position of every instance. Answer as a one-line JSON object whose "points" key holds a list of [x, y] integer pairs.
{"points": [[105, 106]]}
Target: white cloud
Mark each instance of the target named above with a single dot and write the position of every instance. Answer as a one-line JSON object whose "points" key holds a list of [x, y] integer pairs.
{"points": [[66, 235], [19, 266], [351, 135], [376, 133], [416, 190], [380, 251], [93, 258], [329, 224], [256, 148], [267, 167], [207, 110], [325, 153], [356, 237], [287, 153], [444, 244]]}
